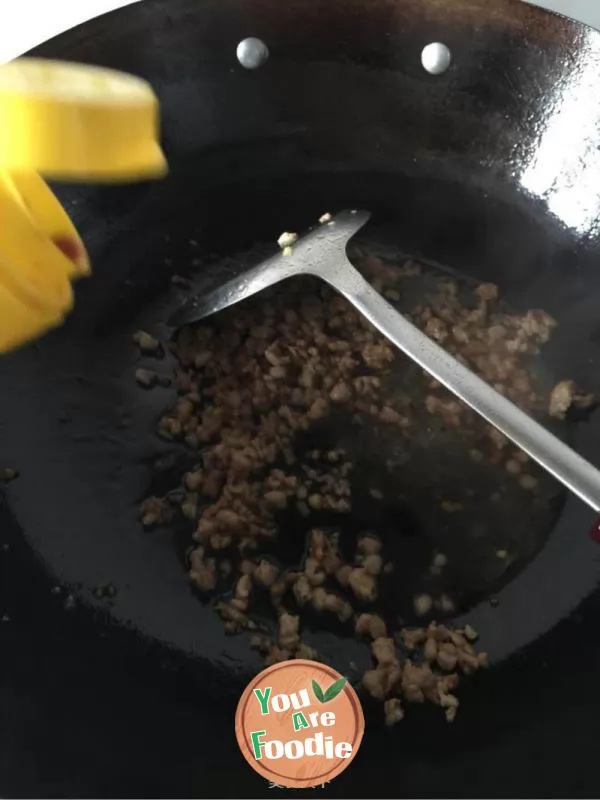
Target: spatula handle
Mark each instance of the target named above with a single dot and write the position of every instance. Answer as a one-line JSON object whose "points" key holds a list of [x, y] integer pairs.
{"points": [[555, 456]]}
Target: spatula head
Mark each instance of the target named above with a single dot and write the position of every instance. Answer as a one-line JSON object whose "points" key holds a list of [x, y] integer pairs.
{"points": [[319, 252]]}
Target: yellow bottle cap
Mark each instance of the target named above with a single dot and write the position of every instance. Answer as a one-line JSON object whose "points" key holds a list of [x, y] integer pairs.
{"points": [[77, 122], [40, 254]]}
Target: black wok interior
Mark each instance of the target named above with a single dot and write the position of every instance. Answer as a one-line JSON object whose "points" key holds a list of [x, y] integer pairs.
{"points": [[136, 696]]}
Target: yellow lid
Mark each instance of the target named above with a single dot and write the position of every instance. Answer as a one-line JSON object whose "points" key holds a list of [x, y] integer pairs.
{"points": [[40, 254], [21, 322], [38, 220], [77, 122]]}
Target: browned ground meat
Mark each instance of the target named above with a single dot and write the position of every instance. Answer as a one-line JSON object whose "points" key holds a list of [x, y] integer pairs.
{"points": [[262, 374]]}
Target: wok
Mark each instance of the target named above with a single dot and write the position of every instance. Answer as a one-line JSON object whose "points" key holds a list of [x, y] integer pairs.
{"points": [[491, 169]]}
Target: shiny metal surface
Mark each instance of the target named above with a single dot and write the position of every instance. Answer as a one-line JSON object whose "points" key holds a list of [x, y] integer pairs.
{"points": [[322, 253], [436, 58], [252, 53]]}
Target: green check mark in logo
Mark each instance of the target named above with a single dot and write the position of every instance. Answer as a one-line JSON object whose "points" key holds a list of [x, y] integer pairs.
{"points": [[329, 694]]}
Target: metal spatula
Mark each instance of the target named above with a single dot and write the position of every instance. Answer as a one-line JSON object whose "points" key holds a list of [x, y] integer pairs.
{"points": [[322, 253]]}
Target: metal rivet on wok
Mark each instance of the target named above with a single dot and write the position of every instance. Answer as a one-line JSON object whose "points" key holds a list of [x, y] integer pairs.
{"points": [[436, 58], [252, 53]]}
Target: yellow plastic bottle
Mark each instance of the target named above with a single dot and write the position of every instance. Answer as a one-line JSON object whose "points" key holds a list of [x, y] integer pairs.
{"points": [[70, 122]]}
